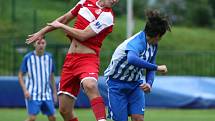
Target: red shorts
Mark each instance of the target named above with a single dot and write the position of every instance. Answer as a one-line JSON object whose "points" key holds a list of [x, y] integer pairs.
{"points": [[76, 68]]}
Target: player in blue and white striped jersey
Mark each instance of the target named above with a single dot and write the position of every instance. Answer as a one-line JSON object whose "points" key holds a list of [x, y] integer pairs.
{"points": [[39, 84], [132, 69]]}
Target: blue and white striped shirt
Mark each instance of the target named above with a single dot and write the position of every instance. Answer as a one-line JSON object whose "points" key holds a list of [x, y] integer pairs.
{"points": [[120, 69], [38, 71]]}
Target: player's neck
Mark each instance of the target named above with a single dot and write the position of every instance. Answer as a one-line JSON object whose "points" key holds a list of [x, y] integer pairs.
{"points": [[39, 53], [100, 4], [149, 39]]}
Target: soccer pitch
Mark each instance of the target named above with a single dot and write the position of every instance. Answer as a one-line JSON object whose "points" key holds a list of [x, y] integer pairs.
{"points": [[14, 114]]}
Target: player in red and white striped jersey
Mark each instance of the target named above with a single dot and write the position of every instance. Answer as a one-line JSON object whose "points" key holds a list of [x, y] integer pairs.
{"points": [[94, 21]]}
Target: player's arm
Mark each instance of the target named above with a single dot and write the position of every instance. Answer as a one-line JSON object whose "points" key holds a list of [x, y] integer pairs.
{"points": [[22, 84], [22, 71], [65, 19], [75, 33], [134, 59], [104, 21], [150, 74], [53, 84]]}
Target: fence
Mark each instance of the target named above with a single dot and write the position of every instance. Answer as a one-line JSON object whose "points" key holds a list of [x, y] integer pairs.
{"points": [[178, 62]]}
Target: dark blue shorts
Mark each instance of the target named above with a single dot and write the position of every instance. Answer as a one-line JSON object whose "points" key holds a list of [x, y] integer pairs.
{"points": [[124, 99], [35, 106]]}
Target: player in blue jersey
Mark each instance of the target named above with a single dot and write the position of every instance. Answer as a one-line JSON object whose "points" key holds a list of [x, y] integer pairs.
{"points": [[38, 85], [132, 69]]}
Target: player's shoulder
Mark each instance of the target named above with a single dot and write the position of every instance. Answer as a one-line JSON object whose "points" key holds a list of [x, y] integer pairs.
{"points": [[82, 1], [28, 55], [48, 54], [106, 16], [139, 36]]}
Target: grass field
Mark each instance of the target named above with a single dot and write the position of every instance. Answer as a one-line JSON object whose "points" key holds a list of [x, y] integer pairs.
{"points": [[151, 115]]}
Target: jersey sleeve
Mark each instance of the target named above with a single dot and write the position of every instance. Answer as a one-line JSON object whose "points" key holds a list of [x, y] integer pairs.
{"points": [[77, 7], [136, 44], [23, 67], [104, 21]]}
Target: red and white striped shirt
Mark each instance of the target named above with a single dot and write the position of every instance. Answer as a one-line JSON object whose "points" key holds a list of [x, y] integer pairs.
{"points": [[101, 21]]}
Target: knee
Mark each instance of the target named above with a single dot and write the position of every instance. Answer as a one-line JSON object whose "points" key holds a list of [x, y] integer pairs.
{"points": [[64, 110], [32, 118], [90, 85], [52, 118], [137, 118]]}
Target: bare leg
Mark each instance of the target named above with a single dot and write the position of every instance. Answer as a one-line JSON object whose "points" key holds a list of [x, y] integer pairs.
{"points": [[137, 117], [52, 118], [97, 104], [31, 118], [66, 107], [91, 88]]}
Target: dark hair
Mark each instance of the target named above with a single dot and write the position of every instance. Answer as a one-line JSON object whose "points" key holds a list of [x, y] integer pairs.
{"points": [[156, 24]]}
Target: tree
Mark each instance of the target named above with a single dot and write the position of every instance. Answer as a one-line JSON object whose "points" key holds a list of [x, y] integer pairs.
{"points": [[212, 4], [199, 13]]}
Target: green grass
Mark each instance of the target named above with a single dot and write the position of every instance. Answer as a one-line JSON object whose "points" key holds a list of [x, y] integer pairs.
{"points": [[150, 115]]}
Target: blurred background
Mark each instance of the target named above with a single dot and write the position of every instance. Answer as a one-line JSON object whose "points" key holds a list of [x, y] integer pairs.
{"points": [[188, 51]]}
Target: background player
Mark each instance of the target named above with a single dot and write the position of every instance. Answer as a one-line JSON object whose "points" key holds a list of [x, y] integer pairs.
{"points": [[39, 85]]}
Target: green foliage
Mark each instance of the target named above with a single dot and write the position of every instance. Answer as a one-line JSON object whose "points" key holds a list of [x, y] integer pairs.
{"points": [[199, 13], [180, 39], [212, 4]]}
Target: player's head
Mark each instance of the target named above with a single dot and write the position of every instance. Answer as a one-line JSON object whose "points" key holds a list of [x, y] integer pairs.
{"points": [[109, 3], [40, 45], [156, 25]]}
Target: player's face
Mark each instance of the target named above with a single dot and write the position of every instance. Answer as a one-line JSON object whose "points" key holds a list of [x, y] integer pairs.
{"points": [[153, 40], [40, 46], [156, 39], [110, 3]]}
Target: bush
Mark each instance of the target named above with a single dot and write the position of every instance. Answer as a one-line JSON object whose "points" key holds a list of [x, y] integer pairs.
{"points": [[199, 13]]}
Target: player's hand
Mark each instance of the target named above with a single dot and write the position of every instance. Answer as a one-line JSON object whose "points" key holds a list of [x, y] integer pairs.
{"points": [[33, 37], [55, 98], [146, 87], [27, 95], [162, 69], [55, 24]]}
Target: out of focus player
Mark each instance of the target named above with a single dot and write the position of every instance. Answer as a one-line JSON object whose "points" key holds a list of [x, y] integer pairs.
{"points": [[39, 85]]}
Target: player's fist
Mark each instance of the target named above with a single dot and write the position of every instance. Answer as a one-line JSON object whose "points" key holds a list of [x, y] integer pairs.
{"points": [[145, 87], [162, 69], [27, 95]]}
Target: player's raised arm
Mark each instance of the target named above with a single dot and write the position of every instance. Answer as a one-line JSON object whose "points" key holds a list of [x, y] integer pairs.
{"points": [[104, 21], [75, 33], [65, 19], [34, 37]]}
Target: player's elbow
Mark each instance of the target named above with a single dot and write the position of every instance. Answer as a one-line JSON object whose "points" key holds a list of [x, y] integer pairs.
{"points": [[131, 60], [86, 34]]}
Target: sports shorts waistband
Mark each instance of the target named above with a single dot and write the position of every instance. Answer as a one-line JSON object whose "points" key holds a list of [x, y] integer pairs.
{"points": [[74, 54]]}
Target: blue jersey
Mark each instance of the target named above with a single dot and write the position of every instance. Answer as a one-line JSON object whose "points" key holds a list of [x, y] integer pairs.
{"points": [[120, 69], [38, 71]]}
